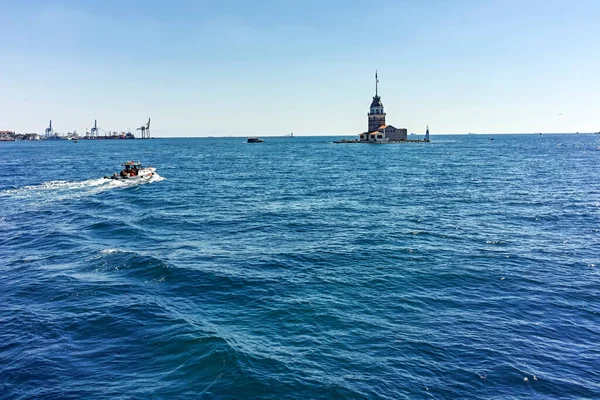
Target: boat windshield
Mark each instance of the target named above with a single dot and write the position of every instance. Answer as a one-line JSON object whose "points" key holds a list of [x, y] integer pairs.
{"points": [[131, 164]]}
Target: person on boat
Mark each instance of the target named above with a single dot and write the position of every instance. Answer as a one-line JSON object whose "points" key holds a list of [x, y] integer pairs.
{"points": [[126, 171]]}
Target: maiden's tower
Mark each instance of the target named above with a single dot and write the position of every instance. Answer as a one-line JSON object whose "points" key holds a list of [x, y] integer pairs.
{"points": [[378, 131]]}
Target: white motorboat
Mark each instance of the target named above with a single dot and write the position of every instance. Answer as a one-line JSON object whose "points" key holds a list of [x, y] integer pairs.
{"points": [[133, 170]]}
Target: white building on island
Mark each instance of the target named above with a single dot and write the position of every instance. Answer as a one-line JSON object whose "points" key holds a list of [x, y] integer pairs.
{"points": [[378, 131]]}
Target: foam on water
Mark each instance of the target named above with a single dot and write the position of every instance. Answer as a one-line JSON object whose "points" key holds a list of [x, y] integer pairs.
{"points": [[111, 251], [64, 190]]}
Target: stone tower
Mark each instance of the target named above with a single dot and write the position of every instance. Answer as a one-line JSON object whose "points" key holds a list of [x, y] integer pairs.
{"points": [[376, 114]]}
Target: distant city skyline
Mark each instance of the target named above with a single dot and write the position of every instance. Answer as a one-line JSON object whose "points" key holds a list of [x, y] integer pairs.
{"points": [[236, 68]]}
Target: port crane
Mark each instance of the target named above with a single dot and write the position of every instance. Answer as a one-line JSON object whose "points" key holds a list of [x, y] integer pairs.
{"points": [[94, 131], [49, 130], [145, 130]]}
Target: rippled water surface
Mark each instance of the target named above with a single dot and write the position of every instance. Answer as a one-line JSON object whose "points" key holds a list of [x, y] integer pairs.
{"points": [[302, 269]]}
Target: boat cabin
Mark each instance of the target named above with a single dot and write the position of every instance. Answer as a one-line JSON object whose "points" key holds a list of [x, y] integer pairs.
{"points": [[131, 168]]}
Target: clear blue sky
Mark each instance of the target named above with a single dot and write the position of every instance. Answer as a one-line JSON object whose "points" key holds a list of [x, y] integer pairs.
{"points": [[236, 67]]}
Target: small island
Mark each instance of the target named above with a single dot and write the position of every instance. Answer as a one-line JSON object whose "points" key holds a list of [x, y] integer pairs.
{"points": [[378, 131]]}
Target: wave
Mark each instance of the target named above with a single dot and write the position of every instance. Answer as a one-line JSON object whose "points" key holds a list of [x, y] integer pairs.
{"points": [[64, 190]]}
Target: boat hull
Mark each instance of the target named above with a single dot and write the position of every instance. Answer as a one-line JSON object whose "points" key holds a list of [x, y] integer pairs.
{"points": [[144, 174]]}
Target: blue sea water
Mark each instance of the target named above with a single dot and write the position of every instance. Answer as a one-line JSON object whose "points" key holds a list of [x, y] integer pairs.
{"points": [[302, 269]]}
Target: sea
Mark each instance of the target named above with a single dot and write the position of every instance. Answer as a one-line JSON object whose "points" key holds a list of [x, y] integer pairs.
{"points": [[297, 268]]}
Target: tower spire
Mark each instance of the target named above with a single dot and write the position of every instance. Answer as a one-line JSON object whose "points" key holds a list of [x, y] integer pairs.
{"points": [[376, 82]]}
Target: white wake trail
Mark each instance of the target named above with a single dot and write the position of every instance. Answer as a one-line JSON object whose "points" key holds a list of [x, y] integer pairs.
{"points": [[63, 190]]}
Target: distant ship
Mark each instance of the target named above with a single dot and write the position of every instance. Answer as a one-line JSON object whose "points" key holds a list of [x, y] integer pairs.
{"points": [[291, 135], [255, 140]]}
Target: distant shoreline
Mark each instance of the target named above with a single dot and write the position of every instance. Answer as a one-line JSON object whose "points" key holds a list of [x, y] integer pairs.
{"points": [[40, 139]]}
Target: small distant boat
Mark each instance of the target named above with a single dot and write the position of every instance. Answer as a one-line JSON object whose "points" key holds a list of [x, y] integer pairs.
{"points": [[491, 138], [133, 170], [74, 140], [255, 140], [290, 135]]}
